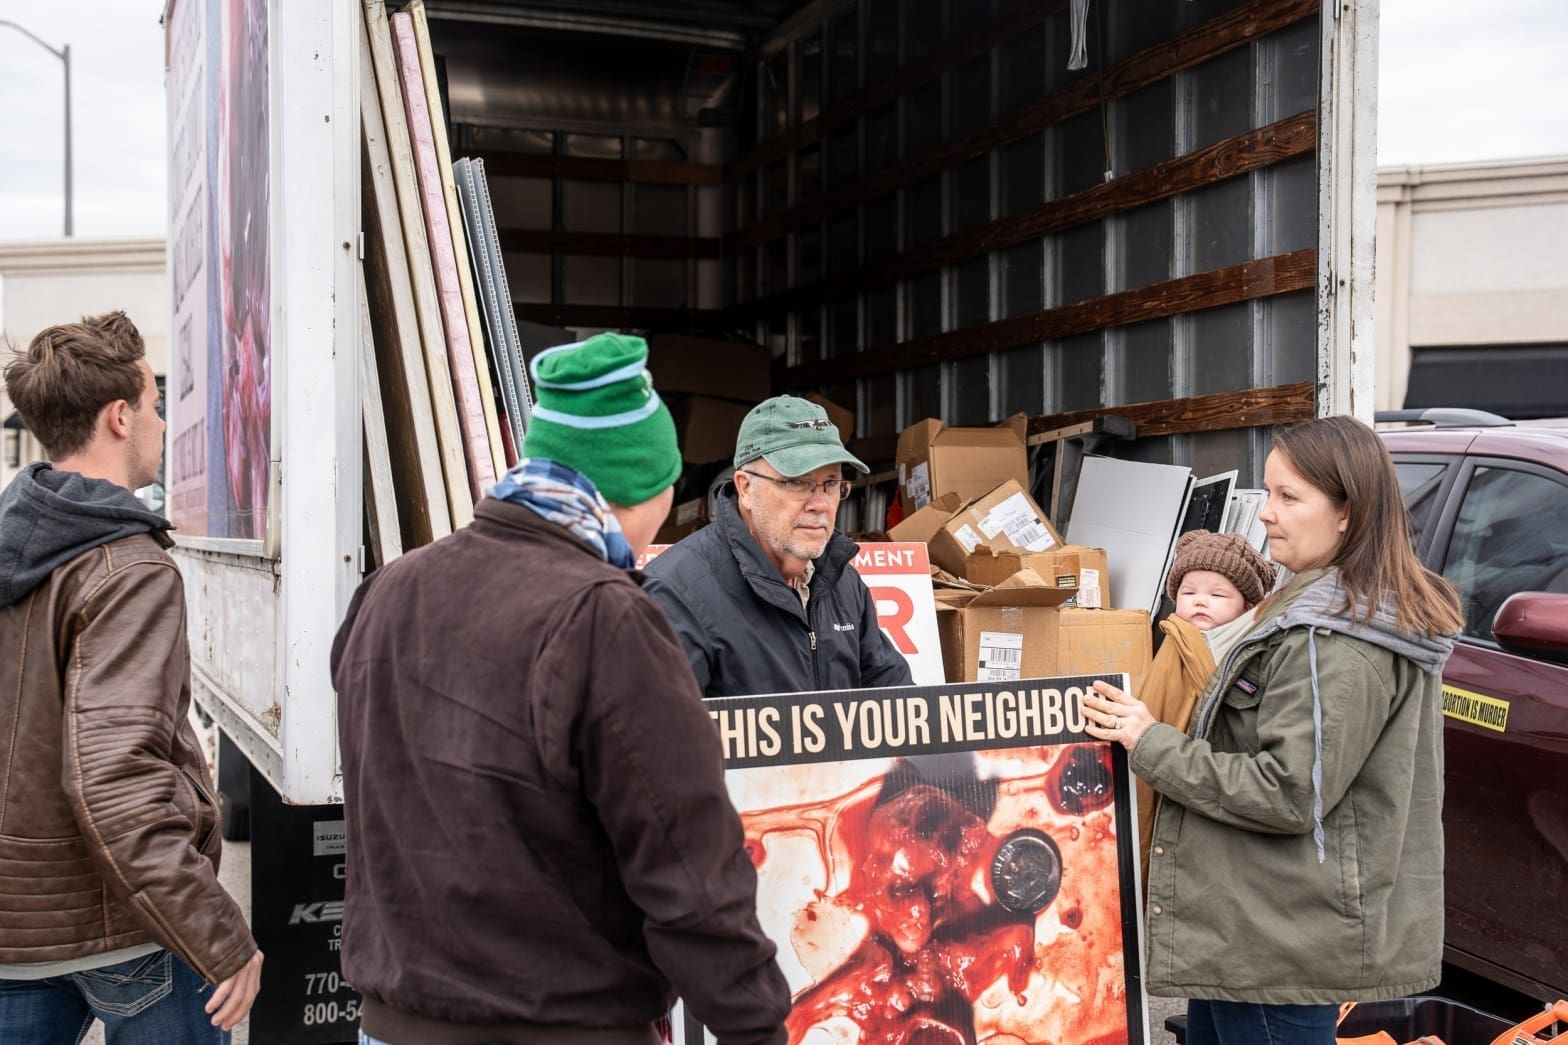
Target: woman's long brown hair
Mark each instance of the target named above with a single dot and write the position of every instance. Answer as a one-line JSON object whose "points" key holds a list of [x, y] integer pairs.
{"points": [[1347, 461]]}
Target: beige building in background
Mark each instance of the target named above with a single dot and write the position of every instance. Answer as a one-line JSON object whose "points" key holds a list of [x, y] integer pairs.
{"points": [[1472, 287], [59, 281]]}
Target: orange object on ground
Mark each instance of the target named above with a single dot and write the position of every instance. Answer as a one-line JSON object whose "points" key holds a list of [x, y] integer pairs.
{"points": [[1527, 1032], [1382, 1037]]}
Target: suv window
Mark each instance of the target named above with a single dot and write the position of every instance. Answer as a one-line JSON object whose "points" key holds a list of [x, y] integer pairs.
{"points": [[1509, 537], [1420, 482]]}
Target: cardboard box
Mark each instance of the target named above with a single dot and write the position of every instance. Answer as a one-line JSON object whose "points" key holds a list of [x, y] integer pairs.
{"points": [[1006, 518], [1009, 632], [707, 427], [1069, 566], [1093, 641], [685, 519], [927, 522], [843, 418], [710, 367], [684, 513], [934, 460]]}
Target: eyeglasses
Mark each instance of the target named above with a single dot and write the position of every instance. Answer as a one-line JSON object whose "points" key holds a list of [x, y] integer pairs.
{"points": [[802, 489]]}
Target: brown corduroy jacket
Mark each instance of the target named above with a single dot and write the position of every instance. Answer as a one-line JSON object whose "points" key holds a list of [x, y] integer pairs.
{"points": [[540, 843], [108, 825]]}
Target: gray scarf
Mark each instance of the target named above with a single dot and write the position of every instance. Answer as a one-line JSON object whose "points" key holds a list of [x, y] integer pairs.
{"points": [[1320, 605]]}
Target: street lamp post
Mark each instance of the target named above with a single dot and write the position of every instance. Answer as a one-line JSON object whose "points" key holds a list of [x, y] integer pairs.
{"points": [[64, 54]]}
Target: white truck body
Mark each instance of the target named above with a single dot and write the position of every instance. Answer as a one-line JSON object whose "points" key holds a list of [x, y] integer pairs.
{"points": [[263, 612]]}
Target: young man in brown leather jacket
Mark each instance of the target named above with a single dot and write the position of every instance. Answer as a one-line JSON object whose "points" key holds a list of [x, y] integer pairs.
{"points": [[111, 906]]}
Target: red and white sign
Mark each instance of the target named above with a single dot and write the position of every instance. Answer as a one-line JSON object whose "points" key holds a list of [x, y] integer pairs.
{"points": [[899, 576]]}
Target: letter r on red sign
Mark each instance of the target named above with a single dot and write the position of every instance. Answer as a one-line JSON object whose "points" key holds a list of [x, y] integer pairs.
{"points": [[895, 609]]}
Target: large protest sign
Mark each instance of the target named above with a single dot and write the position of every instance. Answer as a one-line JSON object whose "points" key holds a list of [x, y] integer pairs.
{"points": [[947, 864]]}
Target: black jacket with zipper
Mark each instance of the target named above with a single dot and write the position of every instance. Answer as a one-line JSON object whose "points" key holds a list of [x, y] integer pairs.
{"points": [[744, 629]]}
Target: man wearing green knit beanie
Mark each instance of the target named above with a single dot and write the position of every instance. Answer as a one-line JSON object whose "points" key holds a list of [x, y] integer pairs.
{"points": [[598, 413], [513, 684]]}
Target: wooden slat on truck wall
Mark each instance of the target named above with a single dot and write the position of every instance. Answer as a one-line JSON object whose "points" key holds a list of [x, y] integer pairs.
{"points": [[608, 244], [960, 49], [616, 317], [1190, 415], [588, 168], [1253, 150], [1264, 277], [1216, 412], [1213, 38]]}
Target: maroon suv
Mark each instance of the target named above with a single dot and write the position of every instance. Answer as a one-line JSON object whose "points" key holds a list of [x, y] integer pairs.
{"points": [[1489, 509]]}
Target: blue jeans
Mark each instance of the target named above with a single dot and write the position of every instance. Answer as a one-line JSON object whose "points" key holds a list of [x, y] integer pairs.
{"points": [[1241, 1023], [152, 1000]]}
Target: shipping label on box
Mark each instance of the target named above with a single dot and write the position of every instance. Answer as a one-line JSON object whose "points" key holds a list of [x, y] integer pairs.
{"points": [[1091, 589], [1006, 518], [1001, 656], [1021, 522], [919, 485]]}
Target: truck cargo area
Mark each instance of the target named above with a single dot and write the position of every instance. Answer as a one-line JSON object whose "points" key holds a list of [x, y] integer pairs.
{"points": [[919, 208]]}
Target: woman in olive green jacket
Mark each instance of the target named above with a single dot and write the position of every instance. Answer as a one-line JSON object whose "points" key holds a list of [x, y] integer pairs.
{"points": [[1298, 860]]}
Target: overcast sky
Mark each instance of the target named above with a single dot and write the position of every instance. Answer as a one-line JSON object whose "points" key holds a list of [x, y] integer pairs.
{"points": [[1459, 80]]}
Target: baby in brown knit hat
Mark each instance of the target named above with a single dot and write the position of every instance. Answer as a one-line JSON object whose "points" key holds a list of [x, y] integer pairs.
{"points": [[1216, 581], [1216, 578]]}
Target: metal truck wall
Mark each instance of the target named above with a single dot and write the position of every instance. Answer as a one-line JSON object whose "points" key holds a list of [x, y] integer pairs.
{"points": [[264, 417], [1154, 215], [915, 203]]}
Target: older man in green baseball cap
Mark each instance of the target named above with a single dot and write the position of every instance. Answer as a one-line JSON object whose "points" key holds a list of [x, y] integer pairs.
{"points": [[765, 599]]}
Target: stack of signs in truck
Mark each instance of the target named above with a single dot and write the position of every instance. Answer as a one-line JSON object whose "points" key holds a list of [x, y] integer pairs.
{"points": [[409, 229], [475, 405], [505, 347], [428, 223], [940, 863]]}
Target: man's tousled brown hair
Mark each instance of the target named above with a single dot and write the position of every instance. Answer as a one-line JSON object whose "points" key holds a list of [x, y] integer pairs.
{"points": [[69, 373], [1347, 461]]}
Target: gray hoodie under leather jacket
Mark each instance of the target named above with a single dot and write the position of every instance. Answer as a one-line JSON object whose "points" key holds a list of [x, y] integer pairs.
{"points": [[102, 780], [1300, 857], [48, 518]]}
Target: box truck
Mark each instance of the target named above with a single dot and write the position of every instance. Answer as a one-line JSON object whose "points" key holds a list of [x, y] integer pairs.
{"points": [[963, 209]]}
